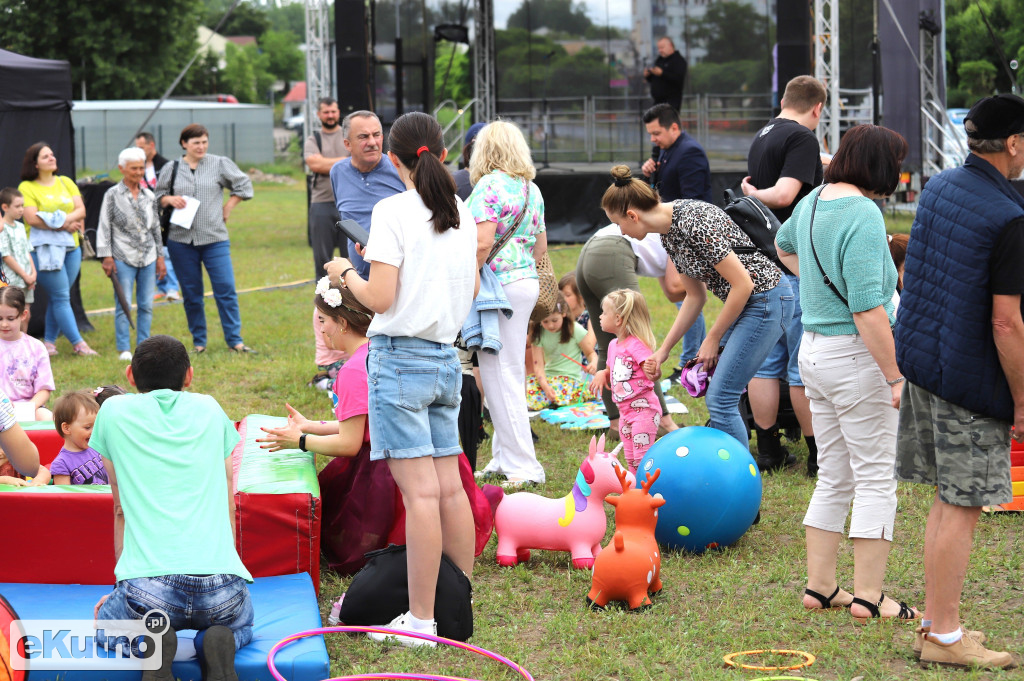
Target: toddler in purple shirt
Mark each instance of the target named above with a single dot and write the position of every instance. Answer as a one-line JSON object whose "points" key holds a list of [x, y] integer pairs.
{"points": [[77, 463]]}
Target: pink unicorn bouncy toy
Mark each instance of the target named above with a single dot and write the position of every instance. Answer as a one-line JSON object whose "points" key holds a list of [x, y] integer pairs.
{"points": [[574, 523], [630, 568]]}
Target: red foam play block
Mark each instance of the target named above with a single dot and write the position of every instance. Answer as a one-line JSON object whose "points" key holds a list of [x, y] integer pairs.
{"points": [[44, 437], [72, 537], [1016, 457]]}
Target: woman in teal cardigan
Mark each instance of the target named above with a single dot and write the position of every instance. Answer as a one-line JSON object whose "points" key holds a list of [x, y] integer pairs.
{"points": [[848, 364]]}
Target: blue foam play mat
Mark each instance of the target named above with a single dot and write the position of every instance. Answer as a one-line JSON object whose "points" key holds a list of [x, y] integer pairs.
{"points": [[284, 605]]}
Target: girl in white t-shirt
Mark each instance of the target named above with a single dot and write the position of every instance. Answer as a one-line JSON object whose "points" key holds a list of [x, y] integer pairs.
{"points": [[423, 278]]}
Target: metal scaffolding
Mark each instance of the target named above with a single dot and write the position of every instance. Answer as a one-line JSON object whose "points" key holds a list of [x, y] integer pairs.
{"points": [[485, 79], [318, 59], [826, 69], [933, 114]]}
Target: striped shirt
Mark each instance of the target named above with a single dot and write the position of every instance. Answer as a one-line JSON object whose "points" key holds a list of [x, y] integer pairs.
{"points": [[129, 229], [7, 419], [207, 183]]}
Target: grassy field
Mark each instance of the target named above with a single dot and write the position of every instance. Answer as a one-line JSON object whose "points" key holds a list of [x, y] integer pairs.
{"points": [[745, 597]]}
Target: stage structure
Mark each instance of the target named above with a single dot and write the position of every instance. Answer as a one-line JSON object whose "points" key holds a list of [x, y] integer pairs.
{"points": [[826, 69], [318, 60], [484, 77]]}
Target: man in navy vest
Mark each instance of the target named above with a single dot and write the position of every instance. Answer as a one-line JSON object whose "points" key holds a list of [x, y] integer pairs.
{"points": [[960, 346]]}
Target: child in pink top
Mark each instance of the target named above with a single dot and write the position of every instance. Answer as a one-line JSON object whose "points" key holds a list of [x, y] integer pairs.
{"points": [[25, 374], [624, 313]]}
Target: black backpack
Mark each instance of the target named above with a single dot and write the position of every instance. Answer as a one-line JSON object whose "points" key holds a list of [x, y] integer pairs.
{"points": [[380, 592], [757, 222]]}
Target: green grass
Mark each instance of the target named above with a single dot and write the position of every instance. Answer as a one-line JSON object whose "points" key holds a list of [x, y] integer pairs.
{"points": [[745, 597]]}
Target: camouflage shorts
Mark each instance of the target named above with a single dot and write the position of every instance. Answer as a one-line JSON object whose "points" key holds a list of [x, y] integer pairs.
{"points": [[964, 454]]}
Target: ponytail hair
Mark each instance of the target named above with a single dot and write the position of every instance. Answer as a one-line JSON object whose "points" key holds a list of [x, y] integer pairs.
{"points": [[416, 140], [628, 192], [632, 308]]}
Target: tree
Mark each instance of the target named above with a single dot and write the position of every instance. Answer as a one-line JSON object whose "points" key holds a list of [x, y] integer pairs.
{"points": [[977, 78], [290, 16], [452, 77], [968, 40], [245, 74], [246, 19], [557, 15], [284, 58], [733, 31], [119, 50]]}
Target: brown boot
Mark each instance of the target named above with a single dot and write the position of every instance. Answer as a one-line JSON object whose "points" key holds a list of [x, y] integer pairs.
{"points": [[920, 632], [966, 652]]}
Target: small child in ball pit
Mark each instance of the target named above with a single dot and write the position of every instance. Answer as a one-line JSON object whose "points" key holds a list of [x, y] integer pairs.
{"points": [[77, 463], [624, 314]]}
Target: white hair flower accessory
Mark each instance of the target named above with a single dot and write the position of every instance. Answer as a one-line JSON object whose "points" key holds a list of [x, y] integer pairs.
{"points": [[332, 297], [323, 286]]}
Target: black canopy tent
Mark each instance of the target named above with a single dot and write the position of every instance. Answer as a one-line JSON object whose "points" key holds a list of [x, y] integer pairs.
{"points": [[35, 106]]}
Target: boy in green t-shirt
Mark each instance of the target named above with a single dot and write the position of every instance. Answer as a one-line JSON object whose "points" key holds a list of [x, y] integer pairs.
{"points": [[168, 458]]}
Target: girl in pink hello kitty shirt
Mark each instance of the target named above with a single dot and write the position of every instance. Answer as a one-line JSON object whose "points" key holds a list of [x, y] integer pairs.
{"points": [[624, 313]]}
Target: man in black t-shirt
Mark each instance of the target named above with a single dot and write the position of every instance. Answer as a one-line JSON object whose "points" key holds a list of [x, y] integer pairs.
{"points": [[784, 163], [668, 75]]}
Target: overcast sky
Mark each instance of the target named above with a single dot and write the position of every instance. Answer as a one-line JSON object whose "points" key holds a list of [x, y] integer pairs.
{"points": [[618, 12]]}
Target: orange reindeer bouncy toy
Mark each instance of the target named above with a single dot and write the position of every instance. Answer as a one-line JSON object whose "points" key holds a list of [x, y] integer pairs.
{"points": [[630, 566]]}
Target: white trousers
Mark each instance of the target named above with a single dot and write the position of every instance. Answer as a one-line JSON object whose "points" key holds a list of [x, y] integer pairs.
{"points": [[504, 380], [855, 429]]}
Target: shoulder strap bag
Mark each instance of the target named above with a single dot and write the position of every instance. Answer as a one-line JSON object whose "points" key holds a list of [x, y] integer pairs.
{"points": [[511, 231], [165, 212], [824, 277]]}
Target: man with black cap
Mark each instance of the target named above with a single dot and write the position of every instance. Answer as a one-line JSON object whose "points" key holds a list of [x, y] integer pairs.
{"points": [[960, 346]]}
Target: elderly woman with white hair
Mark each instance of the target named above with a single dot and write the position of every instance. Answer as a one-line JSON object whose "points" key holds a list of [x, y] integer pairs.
{"points": [[128, 240]]}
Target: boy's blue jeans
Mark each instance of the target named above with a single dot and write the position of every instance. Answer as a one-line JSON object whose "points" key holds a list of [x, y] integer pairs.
{"points": [[190, 601]]}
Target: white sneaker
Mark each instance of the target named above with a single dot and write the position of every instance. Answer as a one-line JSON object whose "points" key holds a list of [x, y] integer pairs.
{"points": [[173, 296], [125, 356], [401, 623]]}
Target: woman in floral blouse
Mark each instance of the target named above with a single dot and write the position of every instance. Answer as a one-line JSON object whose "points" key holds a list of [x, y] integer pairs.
{"points": [[703, 243], [502, 172]]}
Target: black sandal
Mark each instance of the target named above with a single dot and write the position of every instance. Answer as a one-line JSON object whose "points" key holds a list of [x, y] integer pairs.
{"points": [[906, 613], [826, 601]]}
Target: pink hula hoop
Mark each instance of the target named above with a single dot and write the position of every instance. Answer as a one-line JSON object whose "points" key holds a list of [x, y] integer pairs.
{"points": [[367, 677]]}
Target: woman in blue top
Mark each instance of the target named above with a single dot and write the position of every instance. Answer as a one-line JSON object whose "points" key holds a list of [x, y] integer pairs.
{"points": [[848, 364]]}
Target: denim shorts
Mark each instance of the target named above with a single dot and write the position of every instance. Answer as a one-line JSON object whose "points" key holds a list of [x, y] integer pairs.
{"points": [[415, 393], [190, 601], [784, 359]]}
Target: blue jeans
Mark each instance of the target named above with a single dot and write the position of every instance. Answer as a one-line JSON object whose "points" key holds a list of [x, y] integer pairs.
{"points": [[189, 261], [190, 601], [784, 359], [747, 343], [141, 279], [693, 338], [170, 282], [415, 393], [60, 318]]}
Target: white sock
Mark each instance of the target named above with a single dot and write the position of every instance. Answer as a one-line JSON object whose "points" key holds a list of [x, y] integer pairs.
{"points": [[416, 624], [947, 639], [926, 623]]}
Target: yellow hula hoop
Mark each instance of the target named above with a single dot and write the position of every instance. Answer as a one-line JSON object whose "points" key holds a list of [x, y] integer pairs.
{"points": [[730, 660]]}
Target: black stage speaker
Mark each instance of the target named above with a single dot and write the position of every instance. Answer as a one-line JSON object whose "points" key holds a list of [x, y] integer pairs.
{"points": [[354, 72], [794, 39]]}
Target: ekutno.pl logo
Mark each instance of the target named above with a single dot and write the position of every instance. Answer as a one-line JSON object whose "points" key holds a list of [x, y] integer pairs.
{"points": [[76, 645]]}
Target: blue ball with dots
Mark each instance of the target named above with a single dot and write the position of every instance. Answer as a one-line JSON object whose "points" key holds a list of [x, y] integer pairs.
{"points": [[711, 486]]}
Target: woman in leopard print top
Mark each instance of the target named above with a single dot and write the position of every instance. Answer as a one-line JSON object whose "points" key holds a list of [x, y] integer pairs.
{"points": [[702, 240]]}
